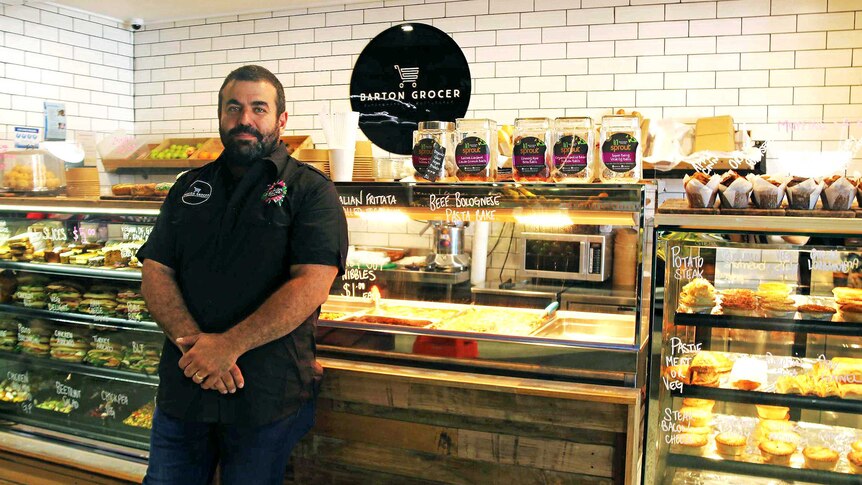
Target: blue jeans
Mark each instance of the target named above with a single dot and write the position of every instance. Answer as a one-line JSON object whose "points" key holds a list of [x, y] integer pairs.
{"points": [[184, 452]]}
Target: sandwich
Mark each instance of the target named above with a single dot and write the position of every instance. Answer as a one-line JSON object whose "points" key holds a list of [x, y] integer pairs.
{"points": [[68, 345], [144, 357], [34, 337], [31, 291], [8, 334], [64, 296]]}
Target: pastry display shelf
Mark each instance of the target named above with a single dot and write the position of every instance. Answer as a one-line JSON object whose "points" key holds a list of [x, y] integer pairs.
{"points": [[702, 320], [79, 318], [759, 224], [761, 470], [835, 404], [59, 269], [81, 368]]}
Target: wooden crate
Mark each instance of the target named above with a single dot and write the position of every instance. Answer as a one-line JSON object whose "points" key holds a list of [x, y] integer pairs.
{"points": [[179, 141], [210, 150], [297, 142], [363, 162], [112, 164], [82, 182]]}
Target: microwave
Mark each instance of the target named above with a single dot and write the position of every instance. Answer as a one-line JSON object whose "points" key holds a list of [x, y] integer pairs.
{"points": [[580, 257]]}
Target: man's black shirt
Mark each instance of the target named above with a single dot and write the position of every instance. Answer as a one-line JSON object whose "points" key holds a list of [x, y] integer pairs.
{"points": [[231, 247]]}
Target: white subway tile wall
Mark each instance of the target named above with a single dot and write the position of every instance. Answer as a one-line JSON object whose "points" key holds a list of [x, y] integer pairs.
{"points": [[48, 53], [763, 61]]}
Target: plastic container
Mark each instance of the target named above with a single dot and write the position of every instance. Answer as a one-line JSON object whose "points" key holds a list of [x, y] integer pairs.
{"points": [[32, 172], [572, 156], [434, 150], [621, 159], [476, 150], [530, 155]]}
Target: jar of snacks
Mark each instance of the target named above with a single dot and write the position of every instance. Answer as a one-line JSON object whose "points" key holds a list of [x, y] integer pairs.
{"points": [[621, 151], [530, 151], [476, 149], [433, 150], [32, 171], [573, 150]]}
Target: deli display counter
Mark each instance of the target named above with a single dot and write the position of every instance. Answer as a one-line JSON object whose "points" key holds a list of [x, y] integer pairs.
{"points": [[447, 306], [468, 300], [756, 364]]}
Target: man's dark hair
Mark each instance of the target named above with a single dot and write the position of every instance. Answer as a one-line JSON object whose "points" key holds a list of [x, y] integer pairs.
{"points": [[255, 73]]}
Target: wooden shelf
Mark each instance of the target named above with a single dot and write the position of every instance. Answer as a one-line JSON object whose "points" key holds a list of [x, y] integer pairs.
{"points": [[87, 205], [766, 224]]}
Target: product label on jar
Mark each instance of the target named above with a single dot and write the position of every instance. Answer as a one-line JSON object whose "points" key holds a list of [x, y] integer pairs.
{"points": [[570, 154], [472, 155], [528, 155], [428, 158], [619, 152]]}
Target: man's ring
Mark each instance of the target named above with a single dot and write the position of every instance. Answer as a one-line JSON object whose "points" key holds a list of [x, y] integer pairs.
{"points": [[199, 377]]}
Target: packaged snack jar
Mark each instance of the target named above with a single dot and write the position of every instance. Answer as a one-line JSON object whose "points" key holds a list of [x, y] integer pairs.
{"points": [[530, 153], [433, 150], [621, 158], [476, 150], [573, 150]]}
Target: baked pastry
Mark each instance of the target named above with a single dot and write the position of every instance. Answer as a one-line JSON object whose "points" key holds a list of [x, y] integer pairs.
{"points": [[779, 308], [854, 458], [734, 190], [122, 189], [748, 374], [701, 190], [767, 426], [730, 443], [695, 417], [776, 452], [691, 443], [738, 302], [767, 192], [820, 458], [697, 296], [694, 402], [703, 370], [816, 312], [851, 312], [803, 192], [791, 437], [845, 294], [856, 446], [704, 430], [144, 189], [838, 193], [680, 373], [772, 412]]}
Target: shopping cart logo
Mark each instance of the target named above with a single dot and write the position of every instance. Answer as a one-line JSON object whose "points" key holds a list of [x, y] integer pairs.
{"points": [[409, 75]]}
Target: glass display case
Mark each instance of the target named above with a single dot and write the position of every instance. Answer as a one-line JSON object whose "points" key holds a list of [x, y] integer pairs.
{"points": [[756, 363], [78, 349], [519, 279]]}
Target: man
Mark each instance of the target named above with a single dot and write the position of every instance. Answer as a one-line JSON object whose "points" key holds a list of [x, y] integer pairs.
{"points": [[240, 259]]}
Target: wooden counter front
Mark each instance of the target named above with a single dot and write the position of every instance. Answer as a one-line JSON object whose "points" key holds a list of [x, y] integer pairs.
{"points": [[390, 424]]}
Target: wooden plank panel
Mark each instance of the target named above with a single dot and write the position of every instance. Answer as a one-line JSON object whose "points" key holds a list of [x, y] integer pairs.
{"points": [[318, 472], [433, 467], [537, 430], [401, 434], [472, 402], [557, 455], [18, 469], [372, 390], [514, 407]]}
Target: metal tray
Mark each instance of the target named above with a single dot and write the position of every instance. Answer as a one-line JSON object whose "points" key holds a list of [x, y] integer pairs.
{"points": [[586, 327]]}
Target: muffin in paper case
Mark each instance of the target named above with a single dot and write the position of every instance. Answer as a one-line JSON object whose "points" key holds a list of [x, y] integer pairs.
{"points": [[859, 192], [767, 191], [701, 190], [734, 191], [803, 192], [838, 193]]}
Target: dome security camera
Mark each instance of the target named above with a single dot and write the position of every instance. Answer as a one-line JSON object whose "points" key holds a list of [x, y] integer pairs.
{"points": [[136, 24]]}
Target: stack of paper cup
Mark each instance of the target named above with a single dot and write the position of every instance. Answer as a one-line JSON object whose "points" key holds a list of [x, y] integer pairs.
{"points": [[340, 132]]}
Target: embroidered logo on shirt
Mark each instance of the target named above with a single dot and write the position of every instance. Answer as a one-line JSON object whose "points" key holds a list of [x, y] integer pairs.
{"points": [[274, 193], [198, 193]]}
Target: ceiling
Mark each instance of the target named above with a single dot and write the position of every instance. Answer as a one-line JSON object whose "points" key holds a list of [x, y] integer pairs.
{"points": [[152, 11]]}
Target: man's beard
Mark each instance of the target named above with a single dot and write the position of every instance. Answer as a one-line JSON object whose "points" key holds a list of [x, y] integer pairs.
{"points": [[244, 152]]}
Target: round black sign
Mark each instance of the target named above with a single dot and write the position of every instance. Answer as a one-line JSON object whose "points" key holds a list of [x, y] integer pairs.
{"points": [[407, 74]]}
